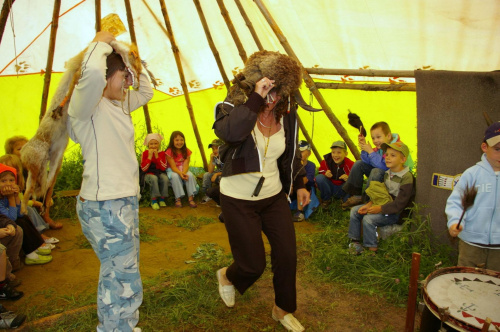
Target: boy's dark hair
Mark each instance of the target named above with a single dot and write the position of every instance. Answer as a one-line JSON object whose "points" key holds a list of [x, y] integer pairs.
{"points": [[114, 62], [382, 125], [172, 147]]}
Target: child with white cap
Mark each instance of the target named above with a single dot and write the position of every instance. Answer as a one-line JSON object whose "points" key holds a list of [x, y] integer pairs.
{"points": [[154, 165]]}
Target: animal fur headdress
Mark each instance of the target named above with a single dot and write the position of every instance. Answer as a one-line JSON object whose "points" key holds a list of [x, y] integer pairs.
{"points": [[284, 70]]}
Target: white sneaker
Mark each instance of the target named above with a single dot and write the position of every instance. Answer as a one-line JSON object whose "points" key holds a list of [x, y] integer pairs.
{"points": [[205, 199], [226, 292]]}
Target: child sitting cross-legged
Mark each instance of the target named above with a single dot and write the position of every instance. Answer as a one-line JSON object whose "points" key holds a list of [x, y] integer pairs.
{"points": [[214, 172], [154, 165], [389, 203], [334, 170]]}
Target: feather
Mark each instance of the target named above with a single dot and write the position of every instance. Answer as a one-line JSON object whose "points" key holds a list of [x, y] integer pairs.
{"points": [[468, 197], [355, 121]]}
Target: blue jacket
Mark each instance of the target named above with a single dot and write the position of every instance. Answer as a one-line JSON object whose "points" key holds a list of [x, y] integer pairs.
{"points": [[12, 212], [377, 157], [482, 221]]}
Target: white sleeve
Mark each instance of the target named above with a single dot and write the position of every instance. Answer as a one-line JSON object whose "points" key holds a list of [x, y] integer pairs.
{"points": [[136, 99]]}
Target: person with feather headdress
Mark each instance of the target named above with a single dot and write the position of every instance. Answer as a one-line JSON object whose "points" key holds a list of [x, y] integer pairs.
{"points": [[473, 208]]}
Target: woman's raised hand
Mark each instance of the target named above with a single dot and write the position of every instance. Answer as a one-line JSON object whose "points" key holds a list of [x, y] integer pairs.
{"points": [[263, 86], [104, 36]]}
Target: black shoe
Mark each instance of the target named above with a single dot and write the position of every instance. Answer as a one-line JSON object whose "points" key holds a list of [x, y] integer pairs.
{"points": [[11, 320], [221, 218], [10, 293]]}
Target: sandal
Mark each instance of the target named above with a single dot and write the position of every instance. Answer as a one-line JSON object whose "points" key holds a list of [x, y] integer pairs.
{"points": [[192, 204], [178, 203]]}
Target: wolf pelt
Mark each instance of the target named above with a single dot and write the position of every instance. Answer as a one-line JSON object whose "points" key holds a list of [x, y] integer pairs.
{"points": [[42, 155]]}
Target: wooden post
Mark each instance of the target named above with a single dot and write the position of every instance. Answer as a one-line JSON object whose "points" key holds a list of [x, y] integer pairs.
{"points": [[309, 81], [4, 15], [362, 72], [412, 293], [249, 25], [368, 87], [50, 57], [212, 44], [175, 50], [97, 15], [131, 29], [232, 30], [486, 325], [308, 138]]}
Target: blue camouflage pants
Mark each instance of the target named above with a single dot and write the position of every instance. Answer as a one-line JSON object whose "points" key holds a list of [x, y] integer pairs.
{"points": [[112, 228]]}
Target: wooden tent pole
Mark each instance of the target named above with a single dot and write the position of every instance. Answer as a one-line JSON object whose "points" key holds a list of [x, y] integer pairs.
{"points": [[309, 139], [368, 87], [232, 30], [212, 44], [50, 58], [97, 15], [249, 25], [361, 72], [131, 29], [175, 50], [7, 5], [309, 81]]}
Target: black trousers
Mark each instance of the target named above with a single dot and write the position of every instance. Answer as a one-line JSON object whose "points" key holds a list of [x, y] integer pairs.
{"points": [[31, 237], [244, 221]]}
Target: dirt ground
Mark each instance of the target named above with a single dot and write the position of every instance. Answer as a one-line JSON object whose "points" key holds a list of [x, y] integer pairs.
{"points": [[74, 271]]}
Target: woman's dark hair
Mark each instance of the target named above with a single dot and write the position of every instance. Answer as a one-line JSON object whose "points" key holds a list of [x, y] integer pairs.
{"points": [[114, 62], [172, 147]]}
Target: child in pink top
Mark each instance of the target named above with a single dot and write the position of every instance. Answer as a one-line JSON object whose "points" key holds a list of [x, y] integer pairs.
{"points": [[178, 156]]}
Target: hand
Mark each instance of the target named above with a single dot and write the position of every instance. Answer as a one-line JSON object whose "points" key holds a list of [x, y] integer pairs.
{"points": [[364, 209], [7, 191], [214, 177], [303, 197], [328, 174], [263, 86], [454, 231], [155, 151], [15, 189], [344, 177], [184, 176], [366, 147], [4, 232], [104, 36], [37, 204], [375, 209], [11, 230]]}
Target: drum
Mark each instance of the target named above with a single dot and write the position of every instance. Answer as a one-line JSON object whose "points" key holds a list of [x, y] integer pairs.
{"points": [[469, 294]]}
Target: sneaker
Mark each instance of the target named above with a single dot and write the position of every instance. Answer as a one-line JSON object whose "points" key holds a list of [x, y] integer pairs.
{"points": [[356, 248], [7, 292], [43, 251], [155, 206], [38, 261], [298, 216], [162, 203], [11, 320], [352, 201], [51, 240], [205, 199], [47, 246]]}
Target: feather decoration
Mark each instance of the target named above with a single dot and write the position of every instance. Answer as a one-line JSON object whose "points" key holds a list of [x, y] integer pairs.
{"points": [[468, 198], [355, 121]]}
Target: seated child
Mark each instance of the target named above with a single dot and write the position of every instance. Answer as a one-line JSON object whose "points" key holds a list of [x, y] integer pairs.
{"points": [[37, 252], [154, 165], [178, 169], [214, 171], [479, 231], [372, 163], [333, 172], [399, 183], [304, 212], [11, 237], [7, 291]]}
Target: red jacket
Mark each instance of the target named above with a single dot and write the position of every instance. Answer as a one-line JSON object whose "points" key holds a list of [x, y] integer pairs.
{"points": [[155, 165], [337, 170]]}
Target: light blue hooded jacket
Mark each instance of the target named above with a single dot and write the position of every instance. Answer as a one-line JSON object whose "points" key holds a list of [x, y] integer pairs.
{"points": [[482, 221]]}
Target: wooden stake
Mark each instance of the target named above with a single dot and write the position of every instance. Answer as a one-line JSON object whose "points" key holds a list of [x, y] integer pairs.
{"points": [[486, 325], [368, 87], [175, 50], [211, 43], [131, 29], [97, 15], [309, 81], [249, 25], [232, 30], [50, 58], [412, 294], [362, 72], [4, 15], [308, 138]]}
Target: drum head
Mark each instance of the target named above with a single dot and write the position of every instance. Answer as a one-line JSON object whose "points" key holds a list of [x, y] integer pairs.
{"points": [[471, 295]]}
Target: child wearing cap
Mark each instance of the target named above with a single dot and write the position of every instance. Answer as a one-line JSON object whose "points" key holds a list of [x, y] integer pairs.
{"points": [[479, 231], [333, 172], [214, 171], [154, 164], [304, 212], [399, 185], [372, 163]]}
